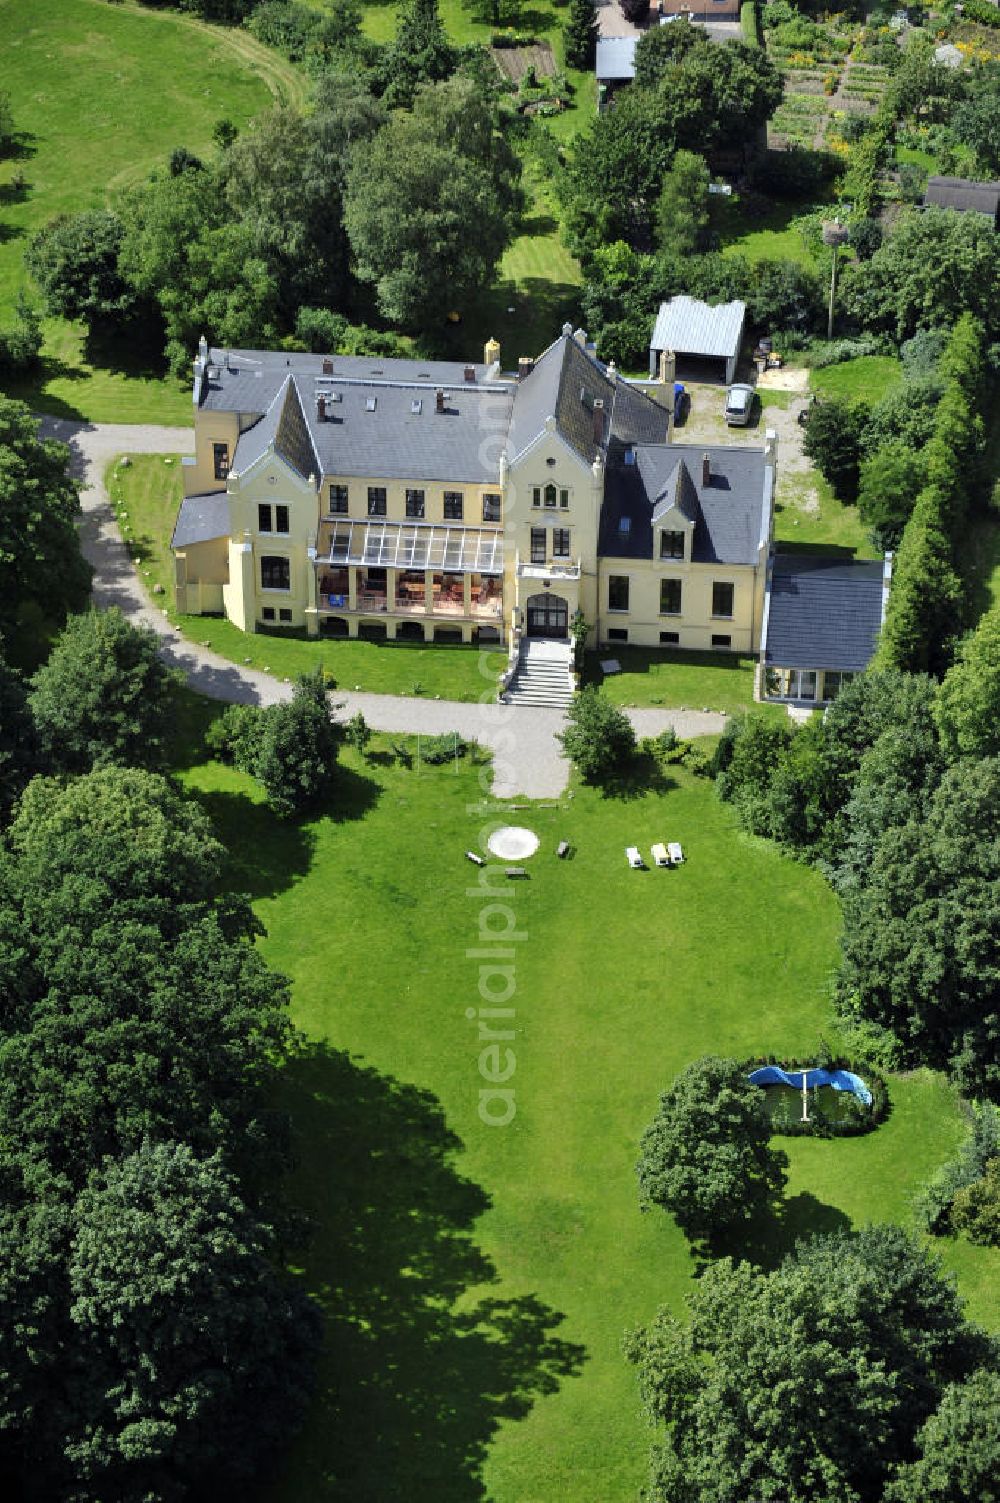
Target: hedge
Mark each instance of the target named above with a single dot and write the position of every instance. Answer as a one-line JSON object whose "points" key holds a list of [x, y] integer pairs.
{"points": [[750, 22], [820, 1128]]}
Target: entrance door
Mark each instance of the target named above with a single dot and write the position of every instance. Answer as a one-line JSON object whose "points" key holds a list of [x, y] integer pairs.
{"points": [[548, 616]]}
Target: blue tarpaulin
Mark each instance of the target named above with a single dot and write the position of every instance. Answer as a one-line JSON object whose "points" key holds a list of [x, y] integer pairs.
{"points": [[840, 1080]]}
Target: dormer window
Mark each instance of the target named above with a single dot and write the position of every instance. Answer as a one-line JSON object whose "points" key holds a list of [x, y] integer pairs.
{"points": [[671, 545]]}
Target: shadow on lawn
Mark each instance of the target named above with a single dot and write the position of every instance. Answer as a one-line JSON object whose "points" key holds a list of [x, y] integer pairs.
{"points": [[769, 1237], [421, 1365]]}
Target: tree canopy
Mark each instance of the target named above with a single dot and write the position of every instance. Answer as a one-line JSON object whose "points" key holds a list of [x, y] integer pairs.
{"points": [[808, 1383], [706, 1156], [413, 193], [598, 738], [105, 695], [42, 570]]}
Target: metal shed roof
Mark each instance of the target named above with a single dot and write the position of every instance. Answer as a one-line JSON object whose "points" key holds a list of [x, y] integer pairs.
{"points": [[689, 327], [615, 59]]}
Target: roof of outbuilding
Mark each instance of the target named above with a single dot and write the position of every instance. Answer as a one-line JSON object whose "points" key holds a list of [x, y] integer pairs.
{"points": [[201, 518], [565, 384], [963, 195], [731, 513], [824, 612], [690, 327], [615, 59]]}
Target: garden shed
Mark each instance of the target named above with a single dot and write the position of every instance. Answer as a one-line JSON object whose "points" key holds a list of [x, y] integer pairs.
{"points": [[707, 338]]}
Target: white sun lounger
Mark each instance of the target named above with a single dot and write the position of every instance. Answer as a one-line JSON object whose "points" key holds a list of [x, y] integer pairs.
{"points": [[633, 858], [659, 855], [675, 852]]}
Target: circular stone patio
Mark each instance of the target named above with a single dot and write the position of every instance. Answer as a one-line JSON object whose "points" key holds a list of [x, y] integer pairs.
{"points": [[513, 843]]}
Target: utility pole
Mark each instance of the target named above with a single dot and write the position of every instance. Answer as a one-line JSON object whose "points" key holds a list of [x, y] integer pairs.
{"points": [[835, 235]]}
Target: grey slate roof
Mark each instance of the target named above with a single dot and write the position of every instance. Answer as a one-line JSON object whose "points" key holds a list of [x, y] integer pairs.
{"points": [[201, 518], [615, 59], [690, 327], [249, 380], [679, 491], [731, 514], [565, 384], [964, 196], [389, 440], [825, 612]]}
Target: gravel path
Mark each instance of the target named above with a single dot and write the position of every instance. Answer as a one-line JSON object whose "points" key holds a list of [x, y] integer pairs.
{"points": [[527, 759]]}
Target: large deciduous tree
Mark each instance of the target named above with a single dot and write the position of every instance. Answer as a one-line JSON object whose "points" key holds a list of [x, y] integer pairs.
{"points": [[148, 1347], [42, 571], [706, 1156], [105, 695], [429, 205], [75, 261], [935, 266], [807, 1384], [959, 1448], [922, 934]]}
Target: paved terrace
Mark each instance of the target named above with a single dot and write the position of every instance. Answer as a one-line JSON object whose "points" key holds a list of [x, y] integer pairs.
{"points": [[527, 758]]}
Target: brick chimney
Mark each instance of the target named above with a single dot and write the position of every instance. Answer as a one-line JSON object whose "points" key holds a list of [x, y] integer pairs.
{"points": [[470, 373], [440, 397], [321, 408], [706, 469], [328, 367], [525, 366], [599, 421]]}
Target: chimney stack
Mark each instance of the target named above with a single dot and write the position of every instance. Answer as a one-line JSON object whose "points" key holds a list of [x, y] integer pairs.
{"points": [[321, 408], [491, 352], [439, 400], [612, 371], [203, 349], [668, 367], [470, 373], [599, 421], [525, 366], [327, 366], [770, 446], [706, 469]]}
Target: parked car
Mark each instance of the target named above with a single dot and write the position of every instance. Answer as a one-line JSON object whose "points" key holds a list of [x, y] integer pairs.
{"points": [[739, 405], [678, 401]]}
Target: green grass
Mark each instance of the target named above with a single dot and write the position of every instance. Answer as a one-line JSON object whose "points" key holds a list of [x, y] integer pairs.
{"points": [[101, 94], [807, 513], [866, 379], [675, 680], [146, 496], [763, 237], [621, 978]]}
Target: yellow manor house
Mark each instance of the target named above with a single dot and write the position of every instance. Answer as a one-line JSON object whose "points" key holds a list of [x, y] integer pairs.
{"points": [[433, 500]]}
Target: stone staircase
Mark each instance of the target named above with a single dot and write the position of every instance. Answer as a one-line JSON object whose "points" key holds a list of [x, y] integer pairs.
{"points": [[542, 676]]}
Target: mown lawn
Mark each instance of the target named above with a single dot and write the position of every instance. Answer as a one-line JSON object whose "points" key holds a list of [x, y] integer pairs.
{"points": [[761, 237], [866, 379], [675, 680], [100, 94], [146, 496], [620, 979]]}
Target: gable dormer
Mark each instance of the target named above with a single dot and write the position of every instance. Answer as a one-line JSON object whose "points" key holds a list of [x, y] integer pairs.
{"points": [[675, 515]]}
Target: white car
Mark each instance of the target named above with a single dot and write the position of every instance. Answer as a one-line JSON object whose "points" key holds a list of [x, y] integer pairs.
{"points": [[739, 405]]}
